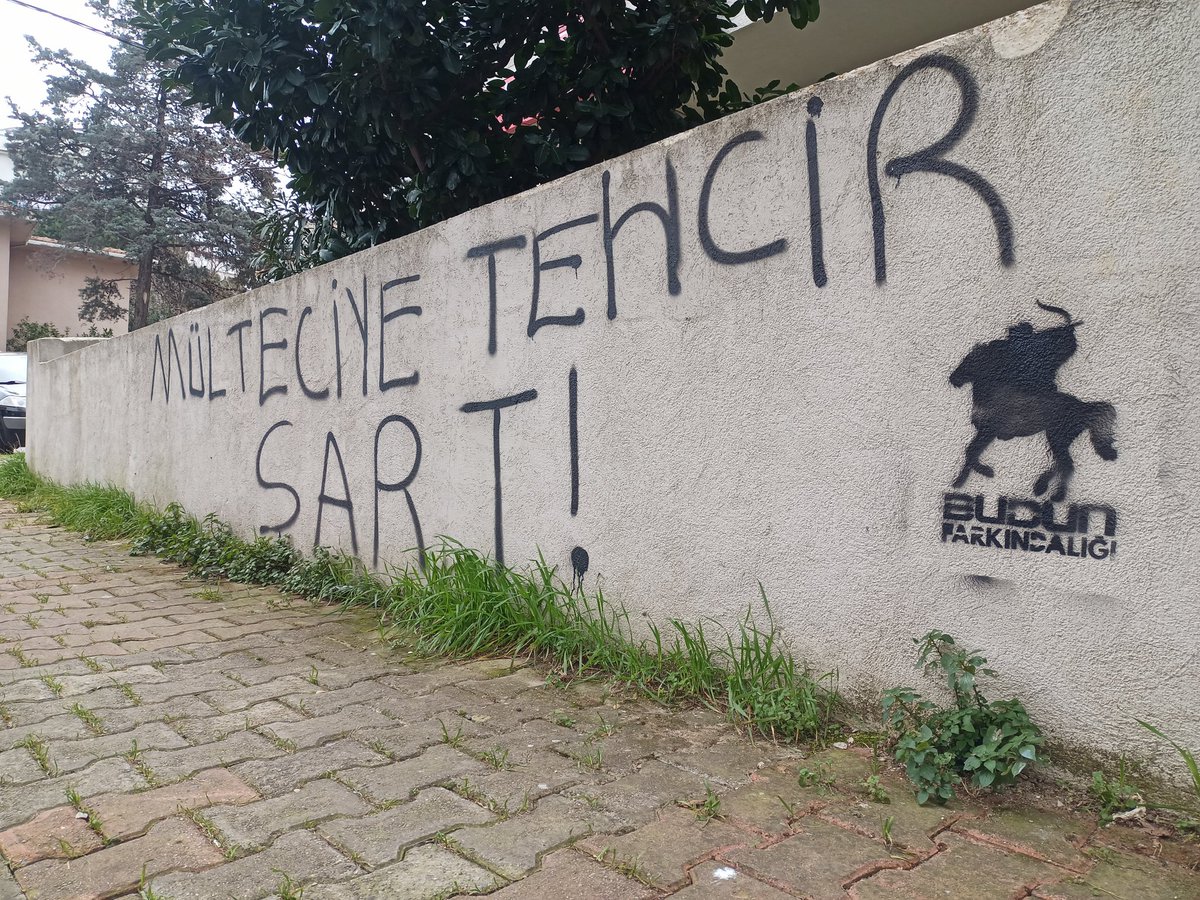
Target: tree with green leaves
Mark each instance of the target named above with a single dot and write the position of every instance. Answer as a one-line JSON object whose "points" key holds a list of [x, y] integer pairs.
{"points": [[394, 114], [117, 160]]}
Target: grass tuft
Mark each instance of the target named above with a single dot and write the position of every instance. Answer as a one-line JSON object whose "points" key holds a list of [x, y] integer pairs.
{"points": [[463, 604]]}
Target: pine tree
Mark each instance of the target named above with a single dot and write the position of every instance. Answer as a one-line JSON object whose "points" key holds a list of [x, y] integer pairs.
{"points": [[116, 160]]}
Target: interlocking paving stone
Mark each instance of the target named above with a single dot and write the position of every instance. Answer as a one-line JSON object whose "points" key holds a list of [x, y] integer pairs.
{"points": [[22, 802], [254, 824], [206, 728], [663, 851], [571, 875], [719, 881], [425, 872], [398, 780], [57, 832], [1125, 876], [816, 860], [635, 798], [172, 764], [964, 869], [9, 889], [318, 730], [300, 855], [71, 756], [513, 847], [285, 772], [125, 815], [174, 845], [379, 838]]}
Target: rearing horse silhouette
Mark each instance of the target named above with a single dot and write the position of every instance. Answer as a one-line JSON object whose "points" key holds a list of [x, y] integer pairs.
{"points": [[1015, 395]]}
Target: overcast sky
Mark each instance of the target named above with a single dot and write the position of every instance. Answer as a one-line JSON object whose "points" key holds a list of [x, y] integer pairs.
{"points": [[20, 79]]}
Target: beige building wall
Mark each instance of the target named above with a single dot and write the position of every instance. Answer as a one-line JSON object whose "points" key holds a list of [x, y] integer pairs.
{"points": [[44, 283], [849, 34], [756, 354], [6, 225]]}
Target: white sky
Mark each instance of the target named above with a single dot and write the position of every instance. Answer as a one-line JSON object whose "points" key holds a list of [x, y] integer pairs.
{"points": [[20, 79]]}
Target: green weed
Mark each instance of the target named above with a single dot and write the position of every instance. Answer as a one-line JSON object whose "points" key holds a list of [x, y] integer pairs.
{"points": [[93, 821], [128, 692], [55, 686], [39, 749], [991, 742], [88, 718], [1115, 795], [26, 661]]}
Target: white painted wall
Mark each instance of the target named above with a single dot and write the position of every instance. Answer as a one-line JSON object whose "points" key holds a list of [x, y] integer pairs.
{"points": [[755, 427]]}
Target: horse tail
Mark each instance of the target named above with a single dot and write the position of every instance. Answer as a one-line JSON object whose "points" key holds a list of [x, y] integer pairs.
{"points": [[1101, 418], [1057, 310]]}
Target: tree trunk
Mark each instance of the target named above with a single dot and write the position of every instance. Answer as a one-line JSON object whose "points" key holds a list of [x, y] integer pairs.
{"points": [[139, 300], [139, 292]]}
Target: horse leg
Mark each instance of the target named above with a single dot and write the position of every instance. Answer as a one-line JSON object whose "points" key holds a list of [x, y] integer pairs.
{"points": [[1060, 440], [979, 443]]}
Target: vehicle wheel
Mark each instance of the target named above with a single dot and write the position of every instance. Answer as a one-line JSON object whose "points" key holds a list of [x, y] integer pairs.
{"points": [[8, 440]]}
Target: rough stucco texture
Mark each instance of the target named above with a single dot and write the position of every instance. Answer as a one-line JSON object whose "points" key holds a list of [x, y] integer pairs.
{"points": [[751, 426]]}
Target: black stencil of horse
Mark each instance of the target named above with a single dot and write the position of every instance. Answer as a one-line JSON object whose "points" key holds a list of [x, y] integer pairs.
{"points": [[1015, 395]]}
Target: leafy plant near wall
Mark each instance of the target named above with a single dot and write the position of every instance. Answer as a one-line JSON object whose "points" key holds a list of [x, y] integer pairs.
{"points": [[25, 331], [463, 604], [989, 742]]}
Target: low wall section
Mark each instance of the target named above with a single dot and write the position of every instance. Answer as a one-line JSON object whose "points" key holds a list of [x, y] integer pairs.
{"points": [[761, 352]]}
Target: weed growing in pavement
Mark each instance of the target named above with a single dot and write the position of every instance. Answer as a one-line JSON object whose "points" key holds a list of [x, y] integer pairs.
{"points": [[590, 759], [821, 778], [874, 790], [461, 603], [886, 825], [55, 686], [210, 831], [26, 661], [289, 888], [40, 751], [709, 808], [991, 742], [30, 619], [6, 718], [1115, 795], [91, 664], [313, 676], [496, 758], [93, 821], [451, 740], [128, 692], [88, 718]]}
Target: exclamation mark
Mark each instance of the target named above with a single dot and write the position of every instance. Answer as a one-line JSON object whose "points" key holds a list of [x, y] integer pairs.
{"points": [[820, 278], [579, 556]]}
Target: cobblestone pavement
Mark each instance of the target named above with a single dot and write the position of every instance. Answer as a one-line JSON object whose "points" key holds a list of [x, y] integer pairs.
{"points": [[184, 740]]}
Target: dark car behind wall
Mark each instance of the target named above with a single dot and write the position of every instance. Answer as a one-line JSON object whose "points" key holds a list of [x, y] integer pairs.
{"points": [[13, 368]]}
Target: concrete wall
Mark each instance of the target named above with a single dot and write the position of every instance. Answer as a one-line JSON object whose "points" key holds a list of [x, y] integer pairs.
{"points": [[44, 285], [766, 399]]}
